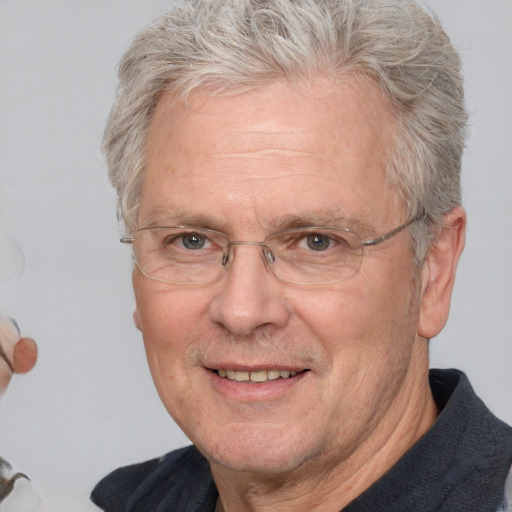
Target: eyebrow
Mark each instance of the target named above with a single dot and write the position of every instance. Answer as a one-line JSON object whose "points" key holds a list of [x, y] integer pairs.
{"points": [[164, 216], [324, 218]]}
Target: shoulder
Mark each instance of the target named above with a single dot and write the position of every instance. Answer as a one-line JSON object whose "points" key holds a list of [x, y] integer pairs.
{"points": [[480, 444], [181, 479]]}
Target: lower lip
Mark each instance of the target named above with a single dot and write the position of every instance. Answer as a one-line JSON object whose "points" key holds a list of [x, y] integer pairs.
{"points": [[257, 391]]}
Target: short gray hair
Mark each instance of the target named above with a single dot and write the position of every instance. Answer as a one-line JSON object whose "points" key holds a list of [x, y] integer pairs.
{"points": [[232, 46]]}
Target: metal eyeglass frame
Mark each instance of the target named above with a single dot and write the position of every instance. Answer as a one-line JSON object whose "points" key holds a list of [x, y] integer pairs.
{"points": [[269, 255]]}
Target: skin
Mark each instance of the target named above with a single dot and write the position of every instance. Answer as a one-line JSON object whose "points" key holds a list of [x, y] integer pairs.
{"points": [[318, 440], [17, 355]]}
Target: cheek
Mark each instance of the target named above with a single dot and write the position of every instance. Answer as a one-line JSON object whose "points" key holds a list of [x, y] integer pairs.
{"points": [[164, 312], [363, 323], [342, 316], [169, 319]]}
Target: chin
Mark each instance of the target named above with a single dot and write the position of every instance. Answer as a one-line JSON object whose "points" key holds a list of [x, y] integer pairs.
{"points": [[257, 449], [268, 463]]}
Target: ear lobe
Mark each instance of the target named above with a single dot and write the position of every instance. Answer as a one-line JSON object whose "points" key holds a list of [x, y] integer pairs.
{"points": [[438, 274], [136, 319]]}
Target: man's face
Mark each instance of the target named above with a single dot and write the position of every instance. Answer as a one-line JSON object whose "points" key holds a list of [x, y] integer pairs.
{"points": [[249, 165]]}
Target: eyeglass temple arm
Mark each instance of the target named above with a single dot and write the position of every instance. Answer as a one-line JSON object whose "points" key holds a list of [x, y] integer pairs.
{"points": [[393, 232]]}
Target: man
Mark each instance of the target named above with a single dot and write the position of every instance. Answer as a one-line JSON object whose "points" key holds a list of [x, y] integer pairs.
{"points": [[288, 174]]}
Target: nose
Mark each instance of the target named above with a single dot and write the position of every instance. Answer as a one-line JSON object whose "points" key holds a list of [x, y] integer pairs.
{"points": [[249, 296]]}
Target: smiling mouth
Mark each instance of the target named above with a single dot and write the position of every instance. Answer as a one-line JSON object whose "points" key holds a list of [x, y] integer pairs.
{"points": [[257, 376]]}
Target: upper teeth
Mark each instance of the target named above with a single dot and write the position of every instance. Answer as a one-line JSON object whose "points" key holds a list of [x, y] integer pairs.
{"points": [[259, 376]]}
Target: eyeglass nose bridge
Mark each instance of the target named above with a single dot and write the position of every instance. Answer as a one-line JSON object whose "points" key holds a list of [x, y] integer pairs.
{"points": [[267, 251]]}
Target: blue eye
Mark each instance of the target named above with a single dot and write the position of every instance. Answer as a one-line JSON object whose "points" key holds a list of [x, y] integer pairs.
{"points": [[193, 241], [318, 241]]}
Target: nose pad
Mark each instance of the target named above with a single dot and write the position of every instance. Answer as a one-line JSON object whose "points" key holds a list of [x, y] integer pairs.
{"points": [[228, 256], [248, 297], [269, 255]]}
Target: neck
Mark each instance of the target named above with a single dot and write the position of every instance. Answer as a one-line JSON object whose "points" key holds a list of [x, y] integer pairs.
{"points": [[329, 485]]}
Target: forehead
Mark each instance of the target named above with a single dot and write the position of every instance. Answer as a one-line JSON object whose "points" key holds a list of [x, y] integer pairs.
{"points": [[276, 146]]}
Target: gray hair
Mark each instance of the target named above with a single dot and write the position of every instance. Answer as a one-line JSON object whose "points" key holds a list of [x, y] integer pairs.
{"points": [[232, 46]]}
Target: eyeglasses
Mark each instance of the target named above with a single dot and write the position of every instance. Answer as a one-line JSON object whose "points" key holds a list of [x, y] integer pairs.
{"points": [[311, 255]]}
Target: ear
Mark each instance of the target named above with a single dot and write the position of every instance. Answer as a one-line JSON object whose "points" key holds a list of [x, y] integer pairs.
{"points": [[136, 318], [438, 274]]}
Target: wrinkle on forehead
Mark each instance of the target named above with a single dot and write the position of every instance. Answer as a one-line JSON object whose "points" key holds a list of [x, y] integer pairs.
{"points": [[231, 178], [269, 152], [277, 142], [272, 135], [255, 124]]}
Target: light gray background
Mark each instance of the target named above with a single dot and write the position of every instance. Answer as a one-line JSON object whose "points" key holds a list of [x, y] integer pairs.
{"points": [[89, 406]]}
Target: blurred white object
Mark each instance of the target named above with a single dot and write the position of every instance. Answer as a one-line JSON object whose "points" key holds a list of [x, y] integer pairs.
{"points": [[17, 494], [9, 335], [64, 502], [12, 264], [12, 261]]}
